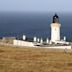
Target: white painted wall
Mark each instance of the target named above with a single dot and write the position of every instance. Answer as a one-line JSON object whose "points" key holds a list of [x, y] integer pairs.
{"points": [[55, 32], [30, 44], [60, 47], [22, 43], [62, 42]]}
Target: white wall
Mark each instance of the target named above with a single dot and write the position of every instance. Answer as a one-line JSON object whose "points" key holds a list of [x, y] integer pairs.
{"points": [[30, 44], [60, 47], [55, 32], [22, 43]]}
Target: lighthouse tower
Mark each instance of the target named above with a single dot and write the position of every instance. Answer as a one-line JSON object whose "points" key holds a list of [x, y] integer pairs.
{"points": [[55, 29]]}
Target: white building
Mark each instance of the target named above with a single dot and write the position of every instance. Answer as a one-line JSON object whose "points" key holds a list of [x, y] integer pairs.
{"points": [[55, 29]]}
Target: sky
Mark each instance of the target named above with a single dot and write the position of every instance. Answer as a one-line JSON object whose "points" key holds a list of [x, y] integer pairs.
{"points": [[36, 5]]}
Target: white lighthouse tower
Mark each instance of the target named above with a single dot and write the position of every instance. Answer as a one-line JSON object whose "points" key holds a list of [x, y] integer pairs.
{"points": [[55, 29]]}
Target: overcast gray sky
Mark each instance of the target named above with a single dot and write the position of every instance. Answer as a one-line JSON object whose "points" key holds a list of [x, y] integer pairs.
{"points": [[36, 5]]}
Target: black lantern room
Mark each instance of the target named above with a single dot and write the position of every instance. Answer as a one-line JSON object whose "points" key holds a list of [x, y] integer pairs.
{"points": [[55, 19]]}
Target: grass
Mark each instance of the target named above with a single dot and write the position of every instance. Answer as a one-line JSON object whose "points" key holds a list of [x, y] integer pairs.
{"points": [[14, 59]]}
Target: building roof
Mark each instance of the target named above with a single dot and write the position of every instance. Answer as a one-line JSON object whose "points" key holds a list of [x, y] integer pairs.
{"points": [[55, 16]]}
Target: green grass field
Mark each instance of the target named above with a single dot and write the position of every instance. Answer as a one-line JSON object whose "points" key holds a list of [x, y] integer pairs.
{"points": [[13, 59]]}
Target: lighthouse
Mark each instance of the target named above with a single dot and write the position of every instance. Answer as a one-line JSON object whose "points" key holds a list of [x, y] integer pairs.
{"points": [[55, 29]]}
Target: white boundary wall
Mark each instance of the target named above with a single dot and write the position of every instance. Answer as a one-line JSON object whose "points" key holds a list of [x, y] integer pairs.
{"points": [[31, 44], [60, 47], [22, 43]]}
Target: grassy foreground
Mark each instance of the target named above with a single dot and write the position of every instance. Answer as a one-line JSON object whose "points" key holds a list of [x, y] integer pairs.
{"points": [[34, 60]]}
